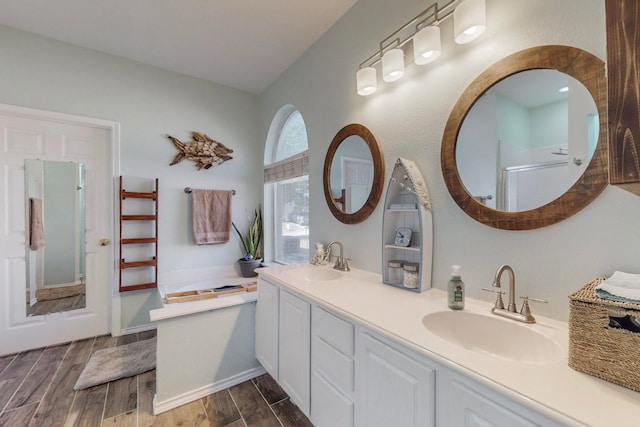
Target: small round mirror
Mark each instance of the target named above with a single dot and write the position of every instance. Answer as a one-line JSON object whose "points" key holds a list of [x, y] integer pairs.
{"points": [[353, 174]]}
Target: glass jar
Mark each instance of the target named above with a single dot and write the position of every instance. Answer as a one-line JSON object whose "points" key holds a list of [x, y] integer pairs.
{"points": [[410, 275], [395, 272]]}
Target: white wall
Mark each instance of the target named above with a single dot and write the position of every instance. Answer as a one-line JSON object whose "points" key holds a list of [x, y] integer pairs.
{"points": [[41, 73], [408, 118]]}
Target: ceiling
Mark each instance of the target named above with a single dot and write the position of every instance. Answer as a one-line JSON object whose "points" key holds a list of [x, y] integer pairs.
{"points": [[534, 88], [244, 44]]}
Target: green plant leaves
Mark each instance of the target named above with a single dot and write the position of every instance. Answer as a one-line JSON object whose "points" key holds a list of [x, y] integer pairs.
{"points": [[251, 241]]}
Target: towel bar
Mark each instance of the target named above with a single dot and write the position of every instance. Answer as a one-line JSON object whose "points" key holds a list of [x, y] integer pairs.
{"points": [[188, 190]]}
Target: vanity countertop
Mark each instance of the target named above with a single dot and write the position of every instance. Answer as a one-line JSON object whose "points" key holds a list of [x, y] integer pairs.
{"points": [[553, 389]]}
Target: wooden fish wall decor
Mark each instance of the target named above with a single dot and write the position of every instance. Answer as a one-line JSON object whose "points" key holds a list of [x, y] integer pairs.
{"points": [[203, 150]]}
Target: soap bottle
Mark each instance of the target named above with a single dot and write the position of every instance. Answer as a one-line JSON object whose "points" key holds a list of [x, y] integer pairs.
{"points": [[455, 288]]}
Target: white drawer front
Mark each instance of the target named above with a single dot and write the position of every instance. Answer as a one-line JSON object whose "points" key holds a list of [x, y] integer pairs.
{"points": [[334, 366], [337, 332]]}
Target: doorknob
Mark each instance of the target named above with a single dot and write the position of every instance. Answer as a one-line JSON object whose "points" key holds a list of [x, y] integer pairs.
{"points": [[104, 242]]}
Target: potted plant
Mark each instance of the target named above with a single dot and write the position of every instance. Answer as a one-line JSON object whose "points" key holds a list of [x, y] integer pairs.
{"points": [[250, 245]]}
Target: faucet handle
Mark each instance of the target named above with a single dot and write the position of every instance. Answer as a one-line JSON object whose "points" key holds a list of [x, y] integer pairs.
{"points": [[341, 265], [499, 304], [528, 298], [525, 310]]}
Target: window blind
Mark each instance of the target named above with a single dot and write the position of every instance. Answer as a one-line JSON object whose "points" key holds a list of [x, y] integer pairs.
{"points": [[291, 167]]}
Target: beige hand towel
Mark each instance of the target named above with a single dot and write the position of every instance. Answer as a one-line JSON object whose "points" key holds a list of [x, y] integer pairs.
{"points": [[211, 213], [36, 228]]}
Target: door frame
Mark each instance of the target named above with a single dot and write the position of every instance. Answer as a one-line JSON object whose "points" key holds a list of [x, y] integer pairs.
{"points": [[344, 164], [114, 144]]}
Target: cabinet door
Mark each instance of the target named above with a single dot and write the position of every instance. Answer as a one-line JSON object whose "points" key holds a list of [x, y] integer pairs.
{"points": [[471, 405], [392, 388], [267, 310], [329, 407], [295, 349]]}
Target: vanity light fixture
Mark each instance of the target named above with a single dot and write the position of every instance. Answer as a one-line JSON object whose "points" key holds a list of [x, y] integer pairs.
{"points": [[564, 89], [426, 45], [393, 65], [367, 81], [469, 22]]}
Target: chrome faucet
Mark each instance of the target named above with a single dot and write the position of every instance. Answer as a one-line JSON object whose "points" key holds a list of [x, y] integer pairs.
{"points": [[511, 312], [341, 262]]}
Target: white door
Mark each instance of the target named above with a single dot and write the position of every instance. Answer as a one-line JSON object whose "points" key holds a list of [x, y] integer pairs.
{"points": [[294, 365], [474, 406], [392, 389], [357, 178], [31, 134]]}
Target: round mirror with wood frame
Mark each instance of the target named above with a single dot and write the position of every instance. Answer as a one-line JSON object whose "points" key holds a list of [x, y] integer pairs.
{"points": [[577, 63], [371, 202]]}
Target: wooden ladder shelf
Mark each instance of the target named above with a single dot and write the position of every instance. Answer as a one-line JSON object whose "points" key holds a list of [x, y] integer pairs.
{"points": [[124, 241]]}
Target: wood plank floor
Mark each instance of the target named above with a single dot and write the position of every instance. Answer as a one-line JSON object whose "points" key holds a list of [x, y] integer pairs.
{"points": [[36, 390], [57, 305]]}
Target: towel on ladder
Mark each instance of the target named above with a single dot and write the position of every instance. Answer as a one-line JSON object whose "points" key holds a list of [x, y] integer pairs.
{"points": [[211, 214], [36, 227]]}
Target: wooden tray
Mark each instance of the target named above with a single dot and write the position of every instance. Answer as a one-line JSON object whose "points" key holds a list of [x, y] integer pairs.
{"points": [[199, 294]]}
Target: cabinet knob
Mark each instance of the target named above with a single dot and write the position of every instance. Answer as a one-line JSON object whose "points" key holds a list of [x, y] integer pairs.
{"points": [[104, 242]]}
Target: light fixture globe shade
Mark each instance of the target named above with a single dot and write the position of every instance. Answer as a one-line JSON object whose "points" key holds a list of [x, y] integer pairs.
{"points": [[366, 81], [469, 20], [426, 45], [393, 65]]}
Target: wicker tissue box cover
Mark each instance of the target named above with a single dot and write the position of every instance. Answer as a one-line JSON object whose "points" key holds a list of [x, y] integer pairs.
{"points": [[597, 349]]}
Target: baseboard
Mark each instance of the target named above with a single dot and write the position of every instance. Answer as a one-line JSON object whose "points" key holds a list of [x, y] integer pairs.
{"points": [[174, 402], [136, 329]]}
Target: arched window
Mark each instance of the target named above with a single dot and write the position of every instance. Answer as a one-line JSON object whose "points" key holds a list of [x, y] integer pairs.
{"points": [[286, 179]]}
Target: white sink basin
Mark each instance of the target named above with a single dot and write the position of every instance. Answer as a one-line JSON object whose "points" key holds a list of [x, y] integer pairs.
{"points": [[502, 338], [313, 273]]}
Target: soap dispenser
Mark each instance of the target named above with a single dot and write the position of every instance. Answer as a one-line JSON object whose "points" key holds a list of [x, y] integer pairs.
{"points": [[455, 289]]}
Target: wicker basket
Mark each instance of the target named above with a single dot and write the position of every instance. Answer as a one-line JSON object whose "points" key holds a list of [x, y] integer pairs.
{"points": [[597, 349]]}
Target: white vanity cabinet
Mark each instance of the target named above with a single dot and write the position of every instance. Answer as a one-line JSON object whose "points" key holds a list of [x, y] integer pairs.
{"points": [[332, 370], [343, 373], [267, 326], [294, 349], [317, 372], [283, 340], [393, 386]]}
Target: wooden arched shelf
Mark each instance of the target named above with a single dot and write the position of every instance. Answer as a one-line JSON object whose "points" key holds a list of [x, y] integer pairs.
{"points": [[577, 63], [378, 174]]}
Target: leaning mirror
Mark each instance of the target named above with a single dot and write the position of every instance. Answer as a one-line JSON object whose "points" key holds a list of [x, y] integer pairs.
{"points": [[525, 145], [55, 236], [353, 174]]}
